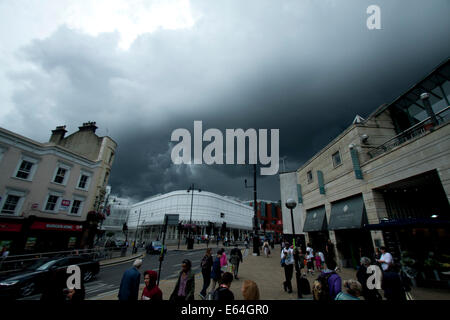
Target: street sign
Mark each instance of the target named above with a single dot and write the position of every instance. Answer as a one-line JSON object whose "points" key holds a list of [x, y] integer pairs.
{"points": [[172, 219]]}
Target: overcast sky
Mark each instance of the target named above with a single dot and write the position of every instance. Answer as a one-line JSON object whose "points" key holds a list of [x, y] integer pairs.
{"points": [[142, 69]]}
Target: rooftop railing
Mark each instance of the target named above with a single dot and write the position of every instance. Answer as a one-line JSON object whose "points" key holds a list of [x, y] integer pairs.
{"points": [[416, 130]]}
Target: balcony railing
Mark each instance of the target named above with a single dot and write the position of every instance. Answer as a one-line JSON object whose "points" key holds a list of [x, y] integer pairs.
{"points": [[417, 130]]}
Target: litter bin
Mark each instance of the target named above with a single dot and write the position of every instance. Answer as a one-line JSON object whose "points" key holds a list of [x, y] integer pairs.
{"points": [[123, 251], [190, 243]]}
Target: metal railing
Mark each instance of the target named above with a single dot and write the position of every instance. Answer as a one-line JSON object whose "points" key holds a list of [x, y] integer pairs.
{"points": [[416, 130], [20, 262]]}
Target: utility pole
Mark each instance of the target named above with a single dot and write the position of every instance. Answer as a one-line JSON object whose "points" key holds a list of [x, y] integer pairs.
{"points": [[255, 216], [135, 234]]}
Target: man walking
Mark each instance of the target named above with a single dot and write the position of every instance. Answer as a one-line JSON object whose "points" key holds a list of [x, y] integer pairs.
{"points": [[235, 259], [287, 258], [129, 286], [386, 259]]}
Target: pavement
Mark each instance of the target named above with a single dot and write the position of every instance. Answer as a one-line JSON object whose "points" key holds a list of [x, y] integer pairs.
{"points": [[268, 275]]}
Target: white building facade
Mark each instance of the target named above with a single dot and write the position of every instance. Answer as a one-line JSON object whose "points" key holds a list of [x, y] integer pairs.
{"points": [[208, 209]]}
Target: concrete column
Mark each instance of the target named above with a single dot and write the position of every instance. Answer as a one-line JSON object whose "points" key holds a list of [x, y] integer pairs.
{"points": [[444, 176], [375, 206]]}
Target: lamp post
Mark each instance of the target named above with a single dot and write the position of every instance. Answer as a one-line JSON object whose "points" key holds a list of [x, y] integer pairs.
{"points": [[425, 97], [190, 244], [135, 234], [291, 204], [255, 215]]}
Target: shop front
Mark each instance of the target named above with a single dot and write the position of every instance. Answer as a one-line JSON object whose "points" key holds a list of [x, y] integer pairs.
{"points": [[10, 235], [316, 227], [347, 219], [48, 236]]}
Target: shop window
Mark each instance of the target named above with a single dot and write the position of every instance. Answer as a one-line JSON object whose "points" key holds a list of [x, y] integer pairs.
{"points": [[26, 168], [336, 159]]}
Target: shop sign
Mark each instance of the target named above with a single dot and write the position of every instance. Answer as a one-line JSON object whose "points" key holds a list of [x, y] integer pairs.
{"points": [[11, 227], [56, 226], [65, 204]]}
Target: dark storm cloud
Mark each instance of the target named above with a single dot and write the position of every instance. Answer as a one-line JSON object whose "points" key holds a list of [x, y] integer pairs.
{"points": [[304, 67]]}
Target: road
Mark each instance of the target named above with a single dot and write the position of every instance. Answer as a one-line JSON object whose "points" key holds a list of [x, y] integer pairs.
{"points": [[109, 277]]}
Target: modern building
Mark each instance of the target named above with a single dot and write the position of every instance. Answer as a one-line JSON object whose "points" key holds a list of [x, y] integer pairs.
{"points": [[385, 180], [209, 213], [270, 218], [51, 192], [117, 211]]}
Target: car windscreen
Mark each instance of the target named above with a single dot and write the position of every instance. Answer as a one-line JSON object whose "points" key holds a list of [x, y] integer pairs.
{"points": [[156, 243], [36, 264], [46, 265]]}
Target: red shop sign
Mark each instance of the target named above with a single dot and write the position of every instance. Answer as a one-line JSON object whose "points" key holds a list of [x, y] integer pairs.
{"points": [[56, 226], [279, 222], [11, 227]]}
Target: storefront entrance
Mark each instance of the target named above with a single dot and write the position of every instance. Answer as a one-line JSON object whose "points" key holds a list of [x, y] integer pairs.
{"points": [[352, 245]]}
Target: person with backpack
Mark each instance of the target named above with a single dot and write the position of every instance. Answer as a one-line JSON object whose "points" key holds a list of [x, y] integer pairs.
{"points": [[235, 259], [302, 283], [327, 286], [330, 256], [287, 262], [216, 272], [223, 293], [206, 265], [223, 260]]}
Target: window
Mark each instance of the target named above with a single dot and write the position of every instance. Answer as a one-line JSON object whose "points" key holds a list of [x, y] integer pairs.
{"points": [[59, 178], [61, 174], [336, 159], [51, 203], [26, 168], [75, 207], [83, 182], [12, 203], [310, 176]]}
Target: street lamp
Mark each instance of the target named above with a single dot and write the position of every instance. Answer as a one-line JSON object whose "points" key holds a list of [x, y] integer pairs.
{"points": [[291, 204], [190, 244], [135, 234], [255, 214]]}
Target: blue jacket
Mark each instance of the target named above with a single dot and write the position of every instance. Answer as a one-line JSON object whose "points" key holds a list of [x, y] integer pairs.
{"points": [[129, 286], [216, 272]]}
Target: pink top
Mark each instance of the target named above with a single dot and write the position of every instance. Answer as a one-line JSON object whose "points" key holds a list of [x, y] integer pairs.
{"points": [[223, 260]]}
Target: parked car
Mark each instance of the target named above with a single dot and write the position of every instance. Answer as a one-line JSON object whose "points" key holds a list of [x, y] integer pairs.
{"points": [[32, 280], [154, 247]]}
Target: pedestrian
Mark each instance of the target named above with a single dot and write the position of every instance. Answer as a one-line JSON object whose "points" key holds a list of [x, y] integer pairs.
{"points": [[287, 261], [206, 265], [352, 290], [250, 290], [246, 243], [318, 261], [298, 265], [310, 259], [329, 256], [216, 272], [322, 260], [151, 290], [129, 285], [385, 259], [392, 284], [5, 252], [363, 276], [266, 248], [223, 261], [217, 240], [327, 285], [185, 286], [223, 293], [235, 259]]}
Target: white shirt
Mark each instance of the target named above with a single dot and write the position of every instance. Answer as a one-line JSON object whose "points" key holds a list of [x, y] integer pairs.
{"points": [[322, 257], [289, 256], [387, 258], [310, 253]]}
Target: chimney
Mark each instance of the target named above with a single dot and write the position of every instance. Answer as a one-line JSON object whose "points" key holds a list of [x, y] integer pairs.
{"points": [[88, 126], [58, 134]]}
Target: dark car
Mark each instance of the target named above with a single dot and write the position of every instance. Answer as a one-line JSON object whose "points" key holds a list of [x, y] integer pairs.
{"points": [[33, 279], [154, 247]]}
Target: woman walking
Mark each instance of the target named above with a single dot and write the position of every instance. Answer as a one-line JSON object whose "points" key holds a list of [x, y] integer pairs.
{"points": [[185, 287], [151, 290], [206, 266]]}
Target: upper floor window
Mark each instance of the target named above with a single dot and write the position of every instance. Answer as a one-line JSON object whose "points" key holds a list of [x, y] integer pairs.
{"points": [[310, 176], [61, 174], [53, 201], [12, 202], [84, 180], [77, 206], [26, 168], [336, 159]]}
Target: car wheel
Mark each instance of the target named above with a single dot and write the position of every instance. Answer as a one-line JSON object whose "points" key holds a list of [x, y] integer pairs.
{"points": [[88, 276], [27, 289]]}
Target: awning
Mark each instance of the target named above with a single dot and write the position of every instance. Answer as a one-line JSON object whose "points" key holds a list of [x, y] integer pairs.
{"points": [[10, 227], [315, 220], [349, 213], [408, 222]]}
